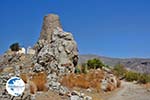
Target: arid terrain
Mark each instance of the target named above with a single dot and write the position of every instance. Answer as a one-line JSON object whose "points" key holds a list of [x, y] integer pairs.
{"points": [[129, 91]]}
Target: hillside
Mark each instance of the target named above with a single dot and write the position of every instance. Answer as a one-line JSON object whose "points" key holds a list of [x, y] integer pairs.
{"points": [[141, 65], [50, 69]]}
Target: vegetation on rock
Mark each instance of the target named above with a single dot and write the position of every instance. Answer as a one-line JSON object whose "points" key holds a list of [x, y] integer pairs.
{"points": [[15, 47], [94, 63]]}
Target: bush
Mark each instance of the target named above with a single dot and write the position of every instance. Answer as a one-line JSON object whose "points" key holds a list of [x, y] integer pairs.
{"points": [[94, 64], [77, 71], [119, 70], [132, 76], [143, 78], [84, 68], [15, 47]]}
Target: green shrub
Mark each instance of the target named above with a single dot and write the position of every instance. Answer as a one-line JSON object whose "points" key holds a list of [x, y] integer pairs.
{"points": [[119, 70], [15, 47], [84, 68], [143, 78], [107, 66], [132, 76], [77, 70], [94, 63]]}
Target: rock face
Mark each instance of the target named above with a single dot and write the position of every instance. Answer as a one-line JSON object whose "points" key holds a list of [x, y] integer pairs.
{"points": [[56, 50]]}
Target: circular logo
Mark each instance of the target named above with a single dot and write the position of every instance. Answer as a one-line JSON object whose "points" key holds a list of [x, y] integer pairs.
{"points": [[15, 86]]}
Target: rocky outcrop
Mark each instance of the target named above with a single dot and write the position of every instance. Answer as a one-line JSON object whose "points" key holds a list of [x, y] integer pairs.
{"points": [[56, 55], [56, 52], [56, 49], [60, 53]]}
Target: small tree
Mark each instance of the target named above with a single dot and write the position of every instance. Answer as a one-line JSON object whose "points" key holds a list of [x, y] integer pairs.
{"points": [[15, 47], [94, 63]]}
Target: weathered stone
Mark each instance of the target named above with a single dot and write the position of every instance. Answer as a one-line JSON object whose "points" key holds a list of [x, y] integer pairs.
{"points": [[54, 85], [51, 21], [87, 98], [59, 52], [56, 50], [56, 54], [82, 95], [17, 70], [109, 81], [38, 68], [75, 97], [104, 84], [89, 90], [75, 93], [53, 77], [63, 90]]}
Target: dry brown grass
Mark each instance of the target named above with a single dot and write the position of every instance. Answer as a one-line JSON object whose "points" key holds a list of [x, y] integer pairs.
{"points": [[24, 77], [40, 80], [89, 80], [110, 87], [118, 83], [36, 81], [147, 85], [1, 70], [8, 69], [33, 87]]}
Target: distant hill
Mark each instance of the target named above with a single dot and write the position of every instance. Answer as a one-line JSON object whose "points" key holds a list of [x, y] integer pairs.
{"points": [[141, 65]]}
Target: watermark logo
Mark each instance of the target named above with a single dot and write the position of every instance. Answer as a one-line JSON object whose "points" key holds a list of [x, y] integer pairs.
{"points": [[15, 86]]}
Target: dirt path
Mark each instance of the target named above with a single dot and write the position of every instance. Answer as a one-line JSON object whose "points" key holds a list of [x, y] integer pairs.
{"points": [[130, 91]]}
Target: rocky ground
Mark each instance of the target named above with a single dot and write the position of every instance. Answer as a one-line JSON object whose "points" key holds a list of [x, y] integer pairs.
{"points": [[129, 91]]}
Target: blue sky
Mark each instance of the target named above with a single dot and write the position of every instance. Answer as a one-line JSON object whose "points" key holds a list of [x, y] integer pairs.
{"points": [[114, 28]]}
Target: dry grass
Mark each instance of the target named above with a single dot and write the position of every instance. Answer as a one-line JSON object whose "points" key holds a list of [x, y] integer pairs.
{"points": [[40, 80], [1, 70], [24, 77], [110, 87], [8, 69], [147, 85], [36, 81], [89, 80], [33, 87], [118, 83]]}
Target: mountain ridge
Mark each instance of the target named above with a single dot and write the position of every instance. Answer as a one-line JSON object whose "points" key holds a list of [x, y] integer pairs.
{"points": [[141, 65]]}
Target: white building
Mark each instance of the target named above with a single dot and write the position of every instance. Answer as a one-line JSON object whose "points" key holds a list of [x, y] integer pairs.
{"points": [[21, 51], [30, 51]]}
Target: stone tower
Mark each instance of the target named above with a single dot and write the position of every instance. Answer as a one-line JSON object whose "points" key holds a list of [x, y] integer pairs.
{"points": [[51, 22]]}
